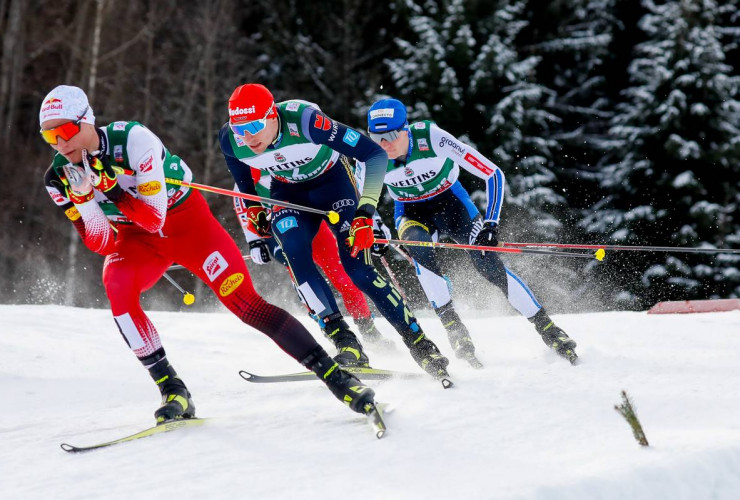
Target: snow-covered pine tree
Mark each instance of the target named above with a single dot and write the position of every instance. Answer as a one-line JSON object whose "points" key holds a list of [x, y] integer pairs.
{"points": [[462, 69], [674, 178]]}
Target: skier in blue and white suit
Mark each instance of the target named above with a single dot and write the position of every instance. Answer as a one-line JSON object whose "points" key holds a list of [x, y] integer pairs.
{"points": [[422, 178]]}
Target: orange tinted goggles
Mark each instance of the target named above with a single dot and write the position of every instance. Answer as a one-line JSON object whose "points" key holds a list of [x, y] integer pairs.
{"points": [[65, 131]]}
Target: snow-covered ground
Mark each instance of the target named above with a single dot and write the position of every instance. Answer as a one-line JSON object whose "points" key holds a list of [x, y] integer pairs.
{"points": [[529, 425]]}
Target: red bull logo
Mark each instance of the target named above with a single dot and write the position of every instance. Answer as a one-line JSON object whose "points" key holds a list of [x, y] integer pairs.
{"points": [[51, 103]]}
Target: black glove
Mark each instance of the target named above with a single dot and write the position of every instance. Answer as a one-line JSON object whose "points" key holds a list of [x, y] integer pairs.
{"points": [[102, 175], [259, 252], [487, 235], [383, 233]]}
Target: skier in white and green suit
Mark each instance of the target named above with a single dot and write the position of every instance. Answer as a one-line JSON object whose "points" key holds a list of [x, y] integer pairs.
{"points": [[422, 178]]}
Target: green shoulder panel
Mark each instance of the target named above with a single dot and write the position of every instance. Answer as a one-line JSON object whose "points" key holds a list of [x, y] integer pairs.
{"points": [[420, 132], [173, 167]]}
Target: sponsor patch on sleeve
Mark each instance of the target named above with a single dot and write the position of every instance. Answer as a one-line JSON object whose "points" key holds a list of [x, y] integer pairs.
{"points": [[288, 223], [150, 188], [72, 213], [478, 164], [351, 137]]}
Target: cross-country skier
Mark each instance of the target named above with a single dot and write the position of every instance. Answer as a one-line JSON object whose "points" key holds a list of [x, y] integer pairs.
{"points": [[422, 178], [325, 254], [111, 184], [307, 155]]}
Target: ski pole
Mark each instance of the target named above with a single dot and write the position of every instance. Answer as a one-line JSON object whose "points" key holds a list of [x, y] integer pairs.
{"points": [[459, 246], [176, 267], [392, 276], [331, 214], [187, 297], [634, 248]]}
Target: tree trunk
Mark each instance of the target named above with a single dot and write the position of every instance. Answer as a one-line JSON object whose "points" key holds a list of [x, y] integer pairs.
{"points": [[74, 239], [11, 68]]}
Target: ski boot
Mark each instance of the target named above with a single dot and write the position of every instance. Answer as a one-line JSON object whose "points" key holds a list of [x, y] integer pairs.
{"points": [[458, 334], [425, 353], [371, 335], [176, 400], [350, 349], [554, 337], [346, 387]]}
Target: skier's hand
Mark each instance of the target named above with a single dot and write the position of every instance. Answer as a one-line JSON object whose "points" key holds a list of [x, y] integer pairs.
{"points": [[380, 232], [259, 252], [361, 235], [485, 235], [76, 184], [258, 222], [102, 175]]}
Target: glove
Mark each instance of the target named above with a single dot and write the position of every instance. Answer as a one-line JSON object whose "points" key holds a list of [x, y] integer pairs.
{"points": [[380, 232], [258, 222], [361, 235], [259, 252], [76, 184], [102, 176], [486, 235]]}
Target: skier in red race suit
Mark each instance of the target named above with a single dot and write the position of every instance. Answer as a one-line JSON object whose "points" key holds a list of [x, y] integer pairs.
{"points": [[111, 184]]}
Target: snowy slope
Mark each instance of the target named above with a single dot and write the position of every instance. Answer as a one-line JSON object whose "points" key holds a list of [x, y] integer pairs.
{"points": [[527, 426]]}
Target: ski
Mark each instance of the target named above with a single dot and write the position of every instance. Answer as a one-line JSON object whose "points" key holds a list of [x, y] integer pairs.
{"points": [[158, 429], [571, 356], [363, 373], [376, 418]]}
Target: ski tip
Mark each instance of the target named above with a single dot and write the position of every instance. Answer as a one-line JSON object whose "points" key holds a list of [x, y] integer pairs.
{"points": [[246, 375], [67, 447], [446, 383], [380, 434]]}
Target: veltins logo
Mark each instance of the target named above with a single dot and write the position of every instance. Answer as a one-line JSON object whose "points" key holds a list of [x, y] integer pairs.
{"points": [[214, 265], [150, 188], [280, 158], [230, 284]]}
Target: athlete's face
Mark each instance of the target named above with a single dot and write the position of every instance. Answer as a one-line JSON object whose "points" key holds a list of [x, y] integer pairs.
{"points": [[397, 147], [72, 148], [259, 142]]}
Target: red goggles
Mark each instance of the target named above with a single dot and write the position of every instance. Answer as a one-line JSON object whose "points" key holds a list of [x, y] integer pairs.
{"points": [[64, 131]]}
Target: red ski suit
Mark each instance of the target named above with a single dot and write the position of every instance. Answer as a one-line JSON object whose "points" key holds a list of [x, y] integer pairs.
{"points": [[150, 237]]}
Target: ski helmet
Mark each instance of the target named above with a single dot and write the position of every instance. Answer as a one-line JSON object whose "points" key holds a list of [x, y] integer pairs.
{"points": [[68, 103], [385, 115], [251, 102]]}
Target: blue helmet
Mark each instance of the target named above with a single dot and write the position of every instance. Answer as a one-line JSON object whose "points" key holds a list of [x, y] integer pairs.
{"points": [[385, 115]]}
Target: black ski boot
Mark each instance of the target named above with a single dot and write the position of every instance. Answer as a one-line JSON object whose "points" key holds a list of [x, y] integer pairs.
{"points": [[350, 349], [176, 400], [425, 353], [346, 387], [458, 334], [371, 335], [554, 337]]}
